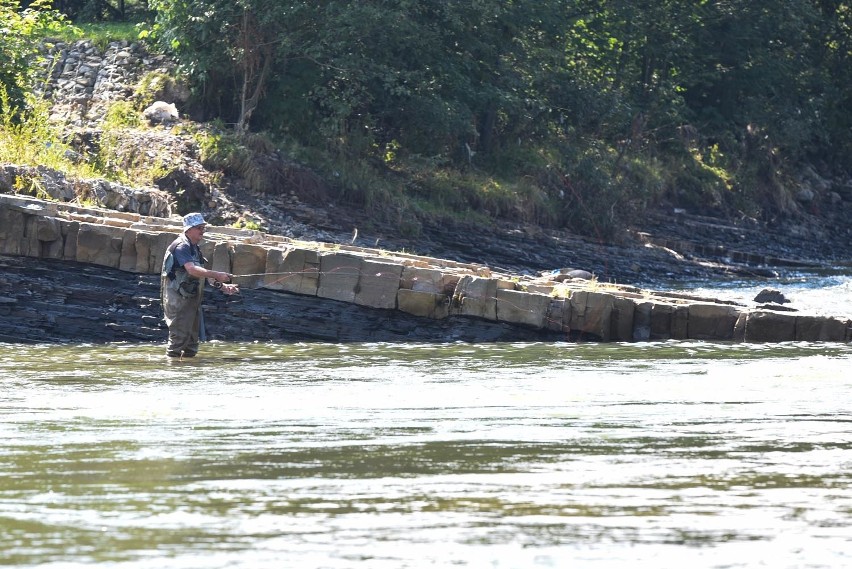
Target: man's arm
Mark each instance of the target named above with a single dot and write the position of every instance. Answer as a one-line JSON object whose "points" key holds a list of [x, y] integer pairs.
{"points": [[200, 272]]}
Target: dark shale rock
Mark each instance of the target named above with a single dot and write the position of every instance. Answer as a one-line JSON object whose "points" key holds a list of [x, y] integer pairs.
{"points": [[57, 301], [772, 296]]}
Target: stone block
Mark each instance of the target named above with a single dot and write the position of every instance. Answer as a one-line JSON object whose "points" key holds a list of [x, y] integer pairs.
{"points": [[99, 245], [248, 264], [623, 310], [820, 329], [591, 313], [52, 249], [219, 256], [712, 321], [517, 307], [48, 229], [339, 275], [428, 280], [292, 270], [680, 320], [30, 245], [143, 244], [740, 326], [558, 315], [49, 234], [150, 251], [127, 261], [12, 225], [540, 288], [767, 326], [208, 250], [476, 296], [661, 321], [378, 285], [425, 304], [642, 321], [70, 229]]}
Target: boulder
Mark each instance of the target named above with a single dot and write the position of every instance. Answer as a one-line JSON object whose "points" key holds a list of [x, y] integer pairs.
{"points": [[162, 113], [771, 295]]}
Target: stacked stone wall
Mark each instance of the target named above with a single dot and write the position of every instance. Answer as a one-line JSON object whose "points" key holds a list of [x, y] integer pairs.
{"points": [[429, 288], [82, 80]]}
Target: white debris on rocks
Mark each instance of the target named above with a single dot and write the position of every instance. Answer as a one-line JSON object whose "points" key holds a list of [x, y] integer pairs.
{"points": [[82, 81]]}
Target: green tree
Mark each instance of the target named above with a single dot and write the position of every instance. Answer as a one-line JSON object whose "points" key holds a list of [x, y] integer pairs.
{"points": [[231, 47], [21, 34], [832, 86], [589, 98]]}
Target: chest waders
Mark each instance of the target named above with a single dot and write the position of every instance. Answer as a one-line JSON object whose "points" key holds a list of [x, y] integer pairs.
{"points": [[181, 295]]}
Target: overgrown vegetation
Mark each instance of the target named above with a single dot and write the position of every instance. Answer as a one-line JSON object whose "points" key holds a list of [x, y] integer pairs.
{"points": [[21, 32], [27, 137], [565, 112], [101, 33], [575, 113]]}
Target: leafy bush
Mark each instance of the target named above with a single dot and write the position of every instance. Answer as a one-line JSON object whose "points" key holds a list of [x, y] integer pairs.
{"points": [[28, 138], [20, 44]]}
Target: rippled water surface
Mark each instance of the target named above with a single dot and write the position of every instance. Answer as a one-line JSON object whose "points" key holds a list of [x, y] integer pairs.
{"points": [[391, 456]]}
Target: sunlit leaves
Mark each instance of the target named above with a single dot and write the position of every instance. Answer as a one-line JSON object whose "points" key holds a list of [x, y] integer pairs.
{"points": [[21, 35]]}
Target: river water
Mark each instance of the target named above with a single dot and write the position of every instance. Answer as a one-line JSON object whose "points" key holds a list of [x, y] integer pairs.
{"points": [[312, 455]]}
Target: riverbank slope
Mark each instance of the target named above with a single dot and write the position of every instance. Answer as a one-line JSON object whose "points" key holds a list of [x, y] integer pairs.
{"points": [[77, 273]]}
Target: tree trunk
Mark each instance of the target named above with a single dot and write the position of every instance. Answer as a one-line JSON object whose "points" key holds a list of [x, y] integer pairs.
{"points": [[256, 62]]}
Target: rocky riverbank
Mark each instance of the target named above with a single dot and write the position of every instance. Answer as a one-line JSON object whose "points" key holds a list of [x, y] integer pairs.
{"points": [[667, 245], [82, 82], [52, 300], [43, 300], [309, 290]]}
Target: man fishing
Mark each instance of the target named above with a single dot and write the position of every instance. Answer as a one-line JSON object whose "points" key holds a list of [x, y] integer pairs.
{"points": [[182, 287]]}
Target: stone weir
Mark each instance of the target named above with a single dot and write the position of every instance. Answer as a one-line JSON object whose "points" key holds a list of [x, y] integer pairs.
{"points": [[385, 286]]}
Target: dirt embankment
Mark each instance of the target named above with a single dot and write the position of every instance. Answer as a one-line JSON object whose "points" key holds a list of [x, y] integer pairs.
{"points": [[667, 245]]}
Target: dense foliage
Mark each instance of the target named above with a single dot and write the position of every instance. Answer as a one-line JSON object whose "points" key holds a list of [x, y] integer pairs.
{"points": [[21, 35], [558, 111]]}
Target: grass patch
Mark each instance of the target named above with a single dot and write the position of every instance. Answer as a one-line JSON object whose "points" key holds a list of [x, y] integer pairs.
{"points": [[102, 33], [28, 138]]}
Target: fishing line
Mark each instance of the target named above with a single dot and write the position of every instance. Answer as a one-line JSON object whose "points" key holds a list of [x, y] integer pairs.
{"points": [[548, 320]]}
